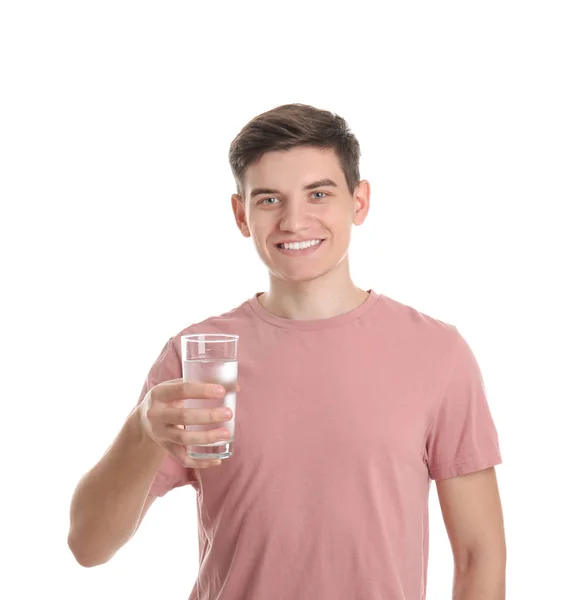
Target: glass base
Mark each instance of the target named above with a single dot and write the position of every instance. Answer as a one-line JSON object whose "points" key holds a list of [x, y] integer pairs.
{"points": [[211, 451]]}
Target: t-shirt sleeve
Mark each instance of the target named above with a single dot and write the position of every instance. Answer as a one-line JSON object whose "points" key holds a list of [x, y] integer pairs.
{"points": [[171, 472], [463, 437]]}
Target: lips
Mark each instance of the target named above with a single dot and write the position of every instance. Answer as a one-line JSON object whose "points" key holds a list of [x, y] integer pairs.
{"points": [[279, 244], [304, 252]]}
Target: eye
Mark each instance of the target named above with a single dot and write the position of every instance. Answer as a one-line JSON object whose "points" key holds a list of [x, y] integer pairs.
{"points": [[319, 198], [265, 200]]}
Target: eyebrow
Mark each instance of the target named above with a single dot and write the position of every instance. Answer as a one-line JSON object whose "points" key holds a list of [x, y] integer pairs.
{"points": [[310, 186]]}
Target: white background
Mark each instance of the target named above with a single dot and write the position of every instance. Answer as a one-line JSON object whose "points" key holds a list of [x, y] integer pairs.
{"points": [[117, 233]]}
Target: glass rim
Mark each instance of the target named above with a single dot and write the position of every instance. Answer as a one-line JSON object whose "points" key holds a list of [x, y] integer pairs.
{"points": [[219, 337]]}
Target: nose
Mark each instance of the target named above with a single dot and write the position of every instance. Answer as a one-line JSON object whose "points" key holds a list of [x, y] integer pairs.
{"points": [[294, 217]]}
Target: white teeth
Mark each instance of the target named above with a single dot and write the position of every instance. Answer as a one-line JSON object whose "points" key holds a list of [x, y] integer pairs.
{"points": [[300, 245]]}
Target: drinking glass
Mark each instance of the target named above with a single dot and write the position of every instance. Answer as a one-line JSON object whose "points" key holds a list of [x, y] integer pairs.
{"points": [[211, 358]]}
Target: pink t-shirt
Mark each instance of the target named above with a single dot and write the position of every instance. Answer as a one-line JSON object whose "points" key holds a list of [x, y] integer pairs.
{"points": [[340, 427]]}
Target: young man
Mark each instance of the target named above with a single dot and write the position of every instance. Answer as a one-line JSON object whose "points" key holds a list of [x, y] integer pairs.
{"points": [[350, 404]]}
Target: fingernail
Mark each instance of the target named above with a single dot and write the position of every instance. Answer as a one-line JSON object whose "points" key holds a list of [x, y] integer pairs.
{"points": [[219, 391], [226, 413]]}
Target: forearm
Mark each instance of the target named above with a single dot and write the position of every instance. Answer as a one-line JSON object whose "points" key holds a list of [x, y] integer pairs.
{"points": [[480, 579], [107, 502]]}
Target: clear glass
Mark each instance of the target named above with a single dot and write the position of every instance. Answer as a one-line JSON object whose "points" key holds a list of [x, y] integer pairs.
{"points": [[212, 358]]}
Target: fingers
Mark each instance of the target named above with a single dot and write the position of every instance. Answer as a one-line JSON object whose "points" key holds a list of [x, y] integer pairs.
{"points": [[176, 390], [183, 437], [197, 389], [195, 416], [168, 419]]}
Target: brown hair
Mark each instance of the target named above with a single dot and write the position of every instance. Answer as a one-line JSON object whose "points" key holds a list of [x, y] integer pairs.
{"points": [[289, 126]]}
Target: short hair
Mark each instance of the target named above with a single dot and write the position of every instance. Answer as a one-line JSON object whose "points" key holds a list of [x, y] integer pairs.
{"points": [[289, 126]]}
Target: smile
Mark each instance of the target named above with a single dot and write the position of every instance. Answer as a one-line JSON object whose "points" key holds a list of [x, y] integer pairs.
{"points": [[300, 248]]}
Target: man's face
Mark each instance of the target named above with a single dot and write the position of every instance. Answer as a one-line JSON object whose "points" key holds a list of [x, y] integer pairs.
{"points": [[294, 196]]}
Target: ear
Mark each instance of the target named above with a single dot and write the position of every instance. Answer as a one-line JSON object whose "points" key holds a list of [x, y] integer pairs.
{"points": [[362, 200], [240, 215]]}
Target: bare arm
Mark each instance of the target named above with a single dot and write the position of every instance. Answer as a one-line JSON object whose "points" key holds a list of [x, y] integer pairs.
{"points": [[109, 500], [473, 517]]}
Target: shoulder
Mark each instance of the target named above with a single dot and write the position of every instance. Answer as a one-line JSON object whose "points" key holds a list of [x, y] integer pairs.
{"points": [[414, 324], [228, 323]]}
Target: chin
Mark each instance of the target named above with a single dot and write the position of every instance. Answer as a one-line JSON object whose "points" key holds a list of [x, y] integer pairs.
{"points": [[300, 276], [300, 273]]}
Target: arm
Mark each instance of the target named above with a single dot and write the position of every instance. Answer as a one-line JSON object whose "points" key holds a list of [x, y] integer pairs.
{"points": [[111, 499], [472, 513]]}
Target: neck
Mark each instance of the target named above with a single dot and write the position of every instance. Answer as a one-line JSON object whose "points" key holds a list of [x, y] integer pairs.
{"points": [[326, 296]]}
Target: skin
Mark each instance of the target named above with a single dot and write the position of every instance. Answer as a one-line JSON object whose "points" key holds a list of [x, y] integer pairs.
{"points": [[320, 286], [473, 517], [310, 287]]}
